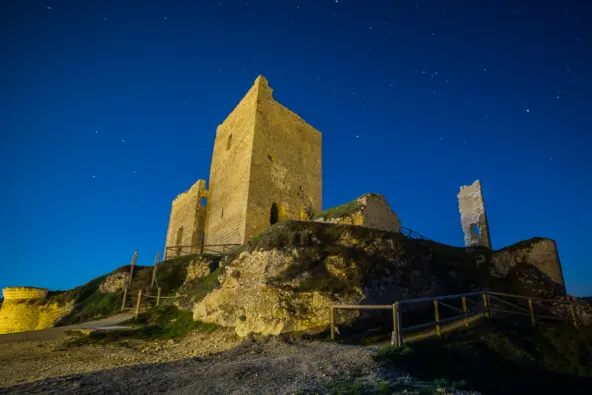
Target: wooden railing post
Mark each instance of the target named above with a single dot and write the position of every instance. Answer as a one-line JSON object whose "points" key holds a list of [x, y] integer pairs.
{"points": [[154, 271], [332, 323], [400, 340], [485, 305], [464, 307], [133, 264], [158, 297], [531, 310], [573, 315], [396, 325], [138, 303], [125, 284], [437, 317]]}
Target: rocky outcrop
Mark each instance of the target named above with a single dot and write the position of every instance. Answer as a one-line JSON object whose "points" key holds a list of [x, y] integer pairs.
{"points": [[113, 282], [200, 267], [370, 210], [287, 279]]}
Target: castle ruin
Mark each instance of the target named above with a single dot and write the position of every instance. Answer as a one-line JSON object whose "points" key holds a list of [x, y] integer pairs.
{"points": [[472, 216], [266, 167]]}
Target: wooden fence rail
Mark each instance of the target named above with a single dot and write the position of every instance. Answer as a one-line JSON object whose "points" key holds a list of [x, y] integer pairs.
{"points": [[481, 307]]}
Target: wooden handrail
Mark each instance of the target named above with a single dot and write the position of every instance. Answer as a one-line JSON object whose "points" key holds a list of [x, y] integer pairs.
{"points": [[479, 309]]}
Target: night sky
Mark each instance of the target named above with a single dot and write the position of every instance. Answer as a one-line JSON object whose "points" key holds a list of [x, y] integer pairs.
{"points": [[109, 111]]}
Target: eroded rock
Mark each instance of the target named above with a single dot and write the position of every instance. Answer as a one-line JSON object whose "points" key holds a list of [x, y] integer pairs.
{"points": [[286, 282]]}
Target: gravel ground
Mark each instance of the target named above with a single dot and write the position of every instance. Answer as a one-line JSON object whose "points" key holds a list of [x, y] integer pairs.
{"points": [[272, 366], [215, 363]]}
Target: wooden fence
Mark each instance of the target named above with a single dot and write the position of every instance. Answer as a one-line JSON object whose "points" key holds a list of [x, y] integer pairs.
{"points": [[213, 249], [158, 298], [472, 304]]}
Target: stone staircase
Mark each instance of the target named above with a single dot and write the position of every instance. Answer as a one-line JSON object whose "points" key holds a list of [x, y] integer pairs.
{"points": [[141, 279]]}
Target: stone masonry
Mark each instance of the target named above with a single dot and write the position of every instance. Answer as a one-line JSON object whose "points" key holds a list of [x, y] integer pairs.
{"points": [[27, 309], [186, 224], [472, 216], [370, 210], [266, 167]]}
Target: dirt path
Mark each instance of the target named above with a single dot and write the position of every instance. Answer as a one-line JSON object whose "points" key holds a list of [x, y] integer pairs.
{"points": [[59, 332]]}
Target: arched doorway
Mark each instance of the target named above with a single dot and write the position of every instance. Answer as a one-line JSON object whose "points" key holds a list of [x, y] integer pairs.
{"points": [[274, 215]]}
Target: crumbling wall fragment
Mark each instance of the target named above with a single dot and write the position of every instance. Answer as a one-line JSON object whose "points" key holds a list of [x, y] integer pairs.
{"points": [[472, 216], [186, 224]]}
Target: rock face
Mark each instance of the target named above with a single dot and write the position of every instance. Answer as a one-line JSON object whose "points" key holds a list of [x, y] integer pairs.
{"points": [[287, 279], [370, 210], [199, 267], [113, 283]]}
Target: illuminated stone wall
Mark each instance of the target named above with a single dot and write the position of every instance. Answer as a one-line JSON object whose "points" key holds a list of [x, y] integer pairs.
{"points": [[266, 166], [26, 309], [186, 224]]}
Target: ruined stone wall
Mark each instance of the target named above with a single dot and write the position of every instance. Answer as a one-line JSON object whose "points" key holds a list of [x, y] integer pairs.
{"points": [[26, 309], [542, 254], [285, 166], [229, 174], [472, 216], [186, 223], [18, 293], [371, 211]]}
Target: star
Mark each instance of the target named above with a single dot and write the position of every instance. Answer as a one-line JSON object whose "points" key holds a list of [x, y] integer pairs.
{"points": [[123, 141], [527, 110]]}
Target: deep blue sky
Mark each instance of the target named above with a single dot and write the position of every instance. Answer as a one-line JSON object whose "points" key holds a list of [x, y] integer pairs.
{"points": [[109, 110]]}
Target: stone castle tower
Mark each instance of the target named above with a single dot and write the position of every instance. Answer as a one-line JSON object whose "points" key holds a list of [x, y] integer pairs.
{"points": [[266, 167]]}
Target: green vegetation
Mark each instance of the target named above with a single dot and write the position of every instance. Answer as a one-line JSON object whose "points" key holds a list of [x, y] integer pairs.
{"points": [[89, 303], [500, 357], [338, 211], [198, 288], [97, 305], [163, 322], [171, 273]]}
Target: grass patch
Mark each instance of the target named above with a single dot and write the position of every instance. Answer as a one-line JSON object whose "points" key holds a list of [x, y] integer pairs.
{"points": [[97, 305], [161, 323], [500, 357], [338, 211], [171, 273], [89, 302], [198, 288]]}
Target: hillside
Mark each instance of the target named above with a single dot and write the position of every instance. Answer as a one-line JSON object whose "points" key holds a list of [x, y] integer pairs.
{"points": [[282, 284]]}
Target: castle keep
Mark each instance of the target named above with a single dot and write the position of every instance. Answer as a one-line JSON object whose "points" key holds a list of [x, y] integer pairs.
{"points": [[266, 167]]}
